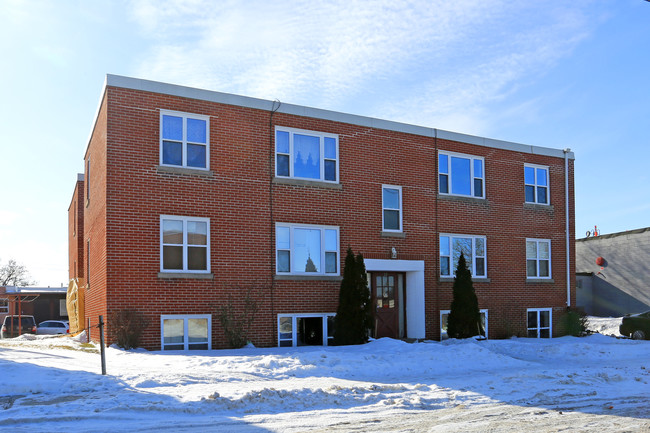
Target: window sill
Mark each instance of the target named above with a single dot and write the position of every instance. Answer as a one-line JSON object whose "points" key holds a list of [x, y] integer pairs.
{"points": [[474, 280], [309, 277], [537, 206], [305, 182], [163, 169], [464, 198], [185, 275], [540, 280], [393, 234]]}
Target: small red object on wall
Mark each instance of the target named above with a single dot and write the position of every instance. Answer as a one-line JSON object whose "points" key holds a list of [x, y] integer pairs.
{"points": [[600, 261]]}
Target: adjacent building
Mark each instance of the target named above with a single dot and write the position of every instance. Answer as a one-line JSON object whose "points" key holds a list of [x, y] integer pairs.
{"points": [[193, 199], [613, 277], [44, 303]]}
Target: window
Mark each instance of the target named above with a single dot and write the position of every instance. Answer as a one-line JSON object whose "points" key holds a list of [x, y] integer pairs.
{"points": [[87, 252], [306, 155], [307, 250], [444, 315], [305, 330], [63, 308], [461, 175], [4, 306], [191, 332], [391, 197], [536, 181], [539, 323], [88, 180], [184, 244], [473, 249], [184, 140], [538, 258]]}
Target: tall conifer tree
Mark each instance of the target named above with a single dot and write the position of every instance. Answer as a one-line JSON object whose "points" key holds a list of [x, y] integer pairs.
{"points": [[465, 317], [354, 313]]}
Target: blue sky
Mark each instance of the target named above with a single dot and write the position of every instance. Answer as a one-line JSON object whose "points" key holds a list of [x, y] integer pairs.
{"points": [[554, 73]]}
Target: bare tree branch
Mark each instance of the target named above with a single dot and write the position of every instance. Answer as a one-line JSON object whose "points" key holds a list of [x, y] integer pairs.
{"points": [[13, 274]]}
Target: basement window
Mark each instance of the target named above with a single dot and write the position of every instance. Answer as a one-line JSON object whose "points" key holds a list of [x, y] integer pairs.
{"points": [[296, 330], [444, 315], [186, 332], [539, 322]]}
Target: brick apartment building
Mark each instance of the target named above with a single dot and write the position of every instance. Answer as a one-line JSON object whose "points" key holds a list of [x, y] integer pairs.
{"points": [[192, 197]]}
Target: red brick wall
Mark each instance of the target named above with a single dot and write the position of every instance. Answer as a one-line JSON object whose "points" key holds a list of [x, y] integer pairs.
{"points": [[95, 222], [243, 204], [76, 258]]}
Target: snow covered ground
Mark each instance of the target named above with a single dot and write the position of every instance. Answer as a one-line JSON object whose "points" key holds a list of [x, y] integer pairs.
{"points": [[595, 383]]}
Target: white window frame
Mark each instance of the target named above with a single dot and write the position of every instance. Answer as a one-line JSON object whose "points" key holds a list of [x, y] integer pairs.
{"points": [[537, 259], [452, 267], [184, 141], [539, 327], [323, 250], [399, 209], [536, 186], [185, 245], [185, 317], [321, 136], [450, 174], [4, 306], [294, 327], [443, 331]]}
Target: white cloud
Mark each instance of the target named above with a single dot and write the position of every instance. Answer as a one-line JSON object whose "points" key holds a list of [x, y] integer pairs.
{"points": [[434, 63]]}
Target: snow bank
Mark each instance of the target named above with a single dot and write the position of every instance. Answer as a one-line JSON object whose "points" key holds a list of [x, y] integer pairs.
{"points": [[53, 384]]}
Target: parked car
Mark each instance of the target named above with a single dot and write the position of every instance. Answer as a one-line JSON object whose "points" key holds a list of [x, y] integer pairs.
{"points": [[11, 330], [636, 326], [53, 327]]}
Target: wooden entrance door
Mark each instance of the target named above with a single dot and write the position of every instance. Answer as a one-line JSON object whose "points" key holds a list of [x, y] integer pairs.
{"points": [[388, 300]]}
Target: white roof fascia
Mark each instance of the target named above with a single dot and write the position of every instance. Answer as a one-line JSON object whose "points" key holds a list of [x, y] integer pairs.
{"points": [[317, 113]]}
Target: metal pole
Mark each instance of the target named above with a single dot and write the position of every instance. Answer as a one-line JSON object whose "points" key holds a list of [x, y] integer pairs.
{"points": [[101, 344], [13, 309], [20, 315], [88, 331], [567, 226]]}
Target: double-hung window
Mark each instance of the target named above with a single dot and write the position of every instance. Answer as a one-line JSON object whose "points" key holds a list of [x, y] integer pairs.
{"points": [[307, 155], [536, 184], [307, 249], [473, 248], [538, 258], [391, 197], [184, 244], [184, 140], [462, 175]]}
